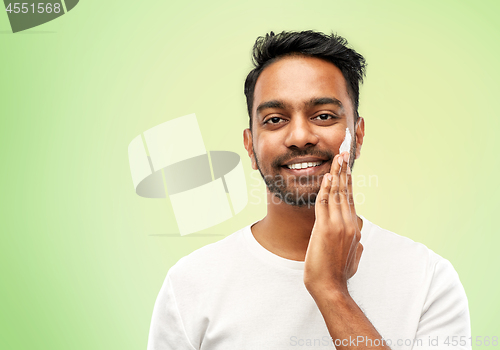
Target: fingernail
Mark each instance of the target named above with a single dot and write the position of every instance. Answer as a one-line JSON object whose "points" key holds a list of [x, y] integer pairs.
{"points": [[346, 157], [348, 170], [329, 177], [340, 160]]}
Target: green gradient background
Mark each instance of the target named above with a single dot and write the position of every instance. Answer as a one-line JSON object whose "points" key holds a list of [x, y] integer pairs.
{"points": [[83, 257]]}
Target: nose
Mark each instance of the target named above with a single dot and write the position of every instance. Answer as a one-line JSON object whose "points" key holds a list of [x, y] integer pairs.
{"points": [[300, 134]]}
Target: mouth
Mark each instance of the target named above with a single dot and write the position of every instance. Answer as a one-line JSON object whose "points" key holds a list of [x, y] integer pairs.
{"points": [[302, 168], [304, 165]]}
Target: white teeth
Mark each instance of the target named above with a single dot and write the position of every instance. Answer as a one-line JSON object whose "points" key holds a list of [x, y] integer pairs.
{"points": [[304, 165]]}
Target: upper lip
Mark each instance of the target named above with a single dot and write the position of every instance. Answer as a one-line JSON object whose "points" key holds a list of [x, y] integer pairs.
{"points": [[304, 160]]}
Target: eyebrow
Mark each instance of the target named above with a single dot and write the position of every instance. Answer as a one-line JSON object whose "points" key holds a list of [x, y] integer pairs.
{"points": [[271, 104], [323, 101], [279, 104]]}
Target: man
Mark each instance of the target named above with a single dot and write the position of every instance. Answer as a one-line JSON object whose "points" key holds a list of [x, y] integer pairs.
{"points": [[312, 273]]}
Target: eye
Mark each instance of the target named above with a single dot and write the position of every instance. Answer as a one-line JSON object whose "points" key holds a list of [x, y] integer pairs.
{"points": [[324, 116], [274, 120]]}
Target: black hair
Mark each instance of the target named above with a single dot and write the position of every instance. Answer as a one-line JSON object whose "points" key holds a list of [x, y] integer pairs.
{"points": [[331, 48]]}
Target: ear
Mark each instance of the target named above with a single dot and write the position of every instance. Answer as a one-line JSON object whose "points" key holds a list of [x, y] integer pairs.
{"points": [[247, 139], [360, 134]]}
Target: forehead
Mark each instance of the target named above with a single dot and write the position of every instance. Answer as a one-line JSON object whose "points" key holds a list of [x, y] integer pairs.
{"points": [[298, 79]]}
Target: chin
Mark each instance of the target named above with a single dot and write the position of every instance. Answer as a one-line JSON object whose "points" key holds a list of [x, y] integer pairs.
{"points": [[296, 197]]}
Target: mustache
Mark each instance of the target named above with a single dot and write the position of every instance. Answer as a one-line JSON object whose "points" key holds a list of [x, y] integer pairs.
{"points": [[324, 154]]}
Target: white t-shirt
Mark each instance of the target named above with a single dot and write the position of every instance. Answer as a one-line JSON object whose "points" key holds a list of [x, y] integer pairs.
{"points": [[235, 294]]}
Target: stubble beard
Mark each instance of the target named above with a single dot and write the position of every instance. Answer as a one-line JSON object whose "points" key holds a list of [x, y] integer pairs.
{"points": [[297, 191], [300, 192]]}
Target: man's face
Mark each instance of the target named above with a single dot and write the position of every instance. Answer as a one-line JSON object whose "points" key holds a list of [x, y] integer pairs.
{"points": [[300, 113]]}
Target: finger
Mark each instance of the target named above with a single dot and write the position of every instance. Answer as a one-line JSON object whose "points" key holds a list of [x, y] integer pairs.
{"points": [[322, 199], [343, 189], [334, 207], [334, 168], [350, 197], [347, 207]]}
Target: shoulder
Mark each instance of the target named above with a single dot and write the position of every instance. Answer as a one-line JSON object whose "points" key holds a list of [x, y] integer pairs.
{"points": [[402, 264], [210, 260], [398, 273], [402, 259], [176, 321], [385, 246]]}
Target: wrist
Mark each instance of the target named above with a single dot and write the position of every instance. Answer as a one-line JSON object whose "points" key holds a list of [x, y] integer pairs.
{"points": [[334, 302], [330, 291]]}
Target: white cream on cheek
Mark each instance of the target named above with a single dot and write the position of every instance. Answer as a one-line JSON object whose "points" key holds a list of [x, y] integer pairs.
{"points": [[346, 144]]}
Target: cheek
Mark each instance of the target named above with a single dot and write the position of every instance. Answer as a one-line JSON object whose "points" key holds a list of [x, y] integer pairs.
{"points": [[265, 147], [334, 138]]}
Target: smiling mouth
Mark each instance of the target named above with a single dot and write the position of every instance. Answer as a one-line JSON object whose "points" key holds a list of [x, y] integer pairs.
{"points": [[304, 165]]}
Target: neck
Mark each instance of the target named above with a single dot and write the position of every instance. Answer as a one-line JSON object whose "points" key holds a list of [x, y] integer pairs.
{"points": [[286, 230]]}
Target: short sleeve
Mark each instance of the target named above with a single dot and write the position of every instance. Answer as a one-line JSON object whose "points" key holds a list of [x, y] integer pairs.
{"points": [[445, 314], [167, 330]]}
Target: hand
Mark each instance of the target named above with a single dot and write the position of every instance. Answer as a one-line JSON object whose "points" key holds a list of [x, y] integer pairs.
{"points": [[334, 249]]}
